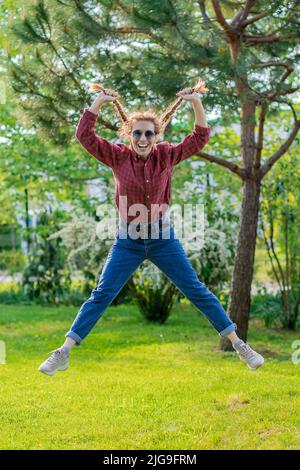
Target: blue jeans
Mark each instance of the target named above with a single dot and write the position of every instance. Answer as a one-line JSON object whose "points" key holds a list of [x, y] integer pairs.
{"points": [[124, 257]]}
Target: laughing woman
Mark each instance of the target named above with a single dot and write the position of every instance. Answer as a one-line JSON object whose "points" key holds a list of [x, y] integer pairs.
{"points": [[142, 173]]}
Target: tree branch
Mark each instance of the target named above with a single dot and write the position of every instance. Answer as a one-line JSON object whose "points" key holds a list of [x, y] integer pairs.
{"points": [[128, 30], [273, 250], [219, 161], [249, 39], [203, 11], [282, 150], [253, 19], [132, 30], [271, 94], [242, 14], [49, 41], [291, 106], [269, 247], [269, 38], [259, 145], [289, 68], [220, 16], [175, 25]]}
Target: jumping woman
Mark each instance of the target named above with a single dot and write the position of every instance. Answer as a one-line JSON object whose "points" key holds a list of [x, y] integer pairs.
{"points": [[143, 173]]}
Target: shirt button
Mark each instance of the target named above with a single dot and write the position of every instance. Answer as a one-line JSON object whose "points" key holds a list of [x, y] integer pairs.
{"points": [[148, 196], [147, 181]]}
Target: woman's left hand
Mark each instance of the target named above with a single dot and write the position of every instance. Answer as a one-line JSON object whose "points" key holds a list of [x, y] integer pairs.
{"points": [[188, 94]]}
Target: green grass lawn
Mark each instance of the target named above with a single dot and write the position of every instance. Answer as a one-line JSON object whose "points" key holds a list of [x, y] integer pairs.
{"points": [[132, 385]]}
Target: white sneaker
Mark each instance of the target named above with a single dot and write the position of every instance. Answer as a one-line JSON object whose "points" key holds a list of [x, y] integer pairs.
{"points": [[59, 360], [246, 354]]}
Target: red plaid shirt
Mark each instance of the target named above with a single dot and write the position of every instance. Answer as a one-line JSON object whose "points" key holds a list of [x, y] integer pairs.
{"points": [[146, 182]]}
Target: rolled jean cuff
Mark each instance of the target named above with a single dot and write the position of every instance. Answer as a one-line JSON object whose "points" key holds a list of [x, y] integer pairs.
{"points": [[74, 336], [229, 329]]}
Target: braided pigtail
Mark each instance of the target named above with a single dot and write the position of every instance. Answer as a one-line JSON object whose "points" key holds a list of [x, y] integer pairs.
{"points": [[167, 115], [119, 108]]}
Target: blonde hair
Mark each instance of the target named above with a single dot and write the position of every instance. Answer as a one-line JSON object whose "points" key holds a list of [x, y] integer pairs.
{"points": [[149, 115], [160, 121]]}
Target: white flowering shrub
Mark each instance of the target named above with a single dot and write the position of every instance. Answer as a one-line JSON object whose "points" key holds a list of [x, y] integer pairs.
{"points": [[45, 278], [86, 251], [149, 287], [214, 261]]}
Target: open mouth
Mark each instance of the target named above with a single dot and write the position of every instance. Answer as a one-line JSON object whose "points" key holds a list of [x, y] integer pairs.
{"points": [[142, 146]]}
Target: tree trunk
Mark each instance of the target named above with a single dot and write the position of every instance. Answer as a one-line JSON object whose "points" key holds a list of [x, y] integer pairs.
{"points": [[27, 236], [239, 304]]}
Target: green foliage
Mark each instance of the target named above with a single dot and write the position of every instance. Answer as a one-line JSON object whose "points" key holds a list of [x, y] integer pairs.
{"points": [[47, 171], [86, 252], [267, 306], [12, 261], [11, 292], [173, 41], [46, 277], [153, 292], [213, 259], [75, 42], [280, 219]]}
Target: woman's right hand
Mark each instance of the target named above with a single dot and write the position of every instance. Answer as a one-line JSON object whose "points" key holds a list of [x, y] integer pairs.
{"points": [[108, 95]]}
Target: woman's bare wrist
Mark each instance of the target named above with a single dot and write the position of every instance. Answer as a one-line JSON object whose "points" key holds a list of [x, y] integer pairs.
{"points": [[97, 104]]}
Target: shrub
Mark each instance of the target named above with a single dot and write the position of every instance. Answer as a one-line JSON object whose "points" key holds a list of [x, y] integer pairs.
{"points": [[45, 278], [12, 293], [267, 306], [151, 289], [153, 292], [12, 261]]}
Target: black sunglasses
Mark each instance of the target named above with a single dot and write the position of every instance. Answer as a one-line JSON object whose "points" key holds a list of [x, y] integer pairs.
{"points": [[137, 134]]}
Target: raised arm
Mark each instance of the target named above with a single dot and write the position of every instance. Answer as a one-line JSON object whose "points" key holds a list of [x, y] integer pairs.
{"points": [[99, 147], [195, 141]]}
